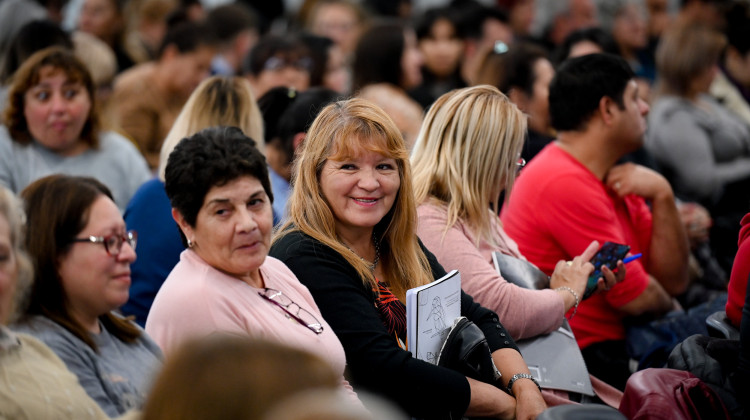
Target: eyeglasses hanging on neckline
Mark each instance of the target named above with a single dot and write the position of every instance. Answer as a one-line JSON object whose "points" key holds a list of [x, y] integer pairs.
{"points": [[301, 315]]}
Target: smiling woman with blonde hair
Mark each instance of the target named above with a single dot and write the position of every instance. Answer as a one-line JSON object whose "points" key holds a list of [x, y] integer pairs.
{"points": [[351, 239]]}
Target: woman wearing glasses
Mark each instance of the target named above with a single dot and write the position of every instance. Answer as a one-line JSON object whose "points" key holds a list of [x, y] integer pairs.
{"points": [[82, 255], [351, 239], [468, 153], [217, 183]]}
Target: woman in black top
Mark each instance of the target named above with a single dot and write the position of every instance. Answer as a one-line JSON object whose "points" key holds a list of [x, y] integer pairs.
{"points": [[351, 239]]}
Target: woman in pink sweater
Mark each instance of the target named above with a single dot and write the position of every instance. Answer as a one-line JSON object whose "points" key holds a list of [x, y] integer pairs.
{"points": [[217, 183], [467, 153]]}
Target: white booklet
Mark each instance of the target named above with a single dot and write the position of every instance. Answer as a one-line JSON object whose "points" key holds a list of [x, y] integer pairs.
{"points": [[430, 311]]}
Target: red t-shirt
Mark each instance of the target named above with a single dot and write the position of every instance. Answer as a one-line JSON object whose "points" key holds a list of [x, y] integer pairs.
{"points": [[740, 272], [557, 207]]}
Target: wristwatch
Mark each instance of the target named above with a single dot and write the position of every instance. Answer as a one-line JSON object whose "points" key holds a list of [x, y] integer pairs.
{"points": [[521, 376]]}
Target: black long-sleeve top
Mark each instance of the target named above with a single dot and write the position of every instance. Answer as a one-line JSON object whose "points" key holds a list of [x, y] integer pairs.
{"points": [[375, 360]]}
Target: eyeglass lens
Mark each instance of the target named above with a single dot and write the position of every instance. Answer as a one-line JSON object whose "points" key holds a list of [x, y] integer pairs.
{"points": [[113, 243], [293, 309]]}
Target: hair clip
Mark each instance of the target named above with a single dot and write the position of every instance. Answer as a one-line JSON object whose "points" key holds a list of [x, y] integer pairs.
{"points": [[500, 47]]}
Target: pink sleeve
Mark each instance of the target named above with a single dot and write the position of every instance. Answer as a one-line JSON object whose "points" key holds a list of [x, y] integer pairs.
{"points": [[524, 313]]}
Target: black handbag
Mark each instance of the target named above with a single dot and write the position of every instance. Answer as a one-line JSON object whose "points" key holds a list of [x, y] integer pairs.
{"points": [[466, 351]]}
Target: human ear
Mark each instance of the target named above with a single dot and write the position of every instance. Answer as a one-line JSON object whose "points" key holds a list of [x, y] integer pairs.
{"points": [[605, 109], [185, 227]]}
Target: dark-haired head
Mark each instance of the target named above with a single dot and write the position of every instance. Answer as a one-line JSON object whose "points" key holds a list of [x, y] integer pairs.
{"points": [[32, 37], [377, 57], [579, 85], [288, 50], [299, 116], [587, 37], [272, 106], [211, 158], [188, 37]]}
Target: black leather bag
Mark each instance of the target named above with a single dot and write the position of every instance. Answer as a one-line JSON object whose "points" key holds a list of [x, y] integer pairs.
{"points": [[466, 351]]}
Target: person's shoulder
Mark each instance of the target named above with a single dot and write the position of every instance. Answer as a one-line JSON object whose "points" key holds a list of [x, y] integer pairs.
{"points": [[551, 167], [135, 78], [431, 209], [293, 242], [149, 190], [274, 265], [666, 108], [48, 331], [112, 140]]}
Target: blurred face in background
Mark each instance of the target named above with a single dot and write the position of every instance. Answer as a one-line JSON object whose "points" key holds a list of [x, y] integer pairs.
{"points": [[538, 104], [339, 22], [100, 18], [411, 62], [442, 49], [280, 71], [337, 76], [56, 109], [629, 29], [188, 69]]}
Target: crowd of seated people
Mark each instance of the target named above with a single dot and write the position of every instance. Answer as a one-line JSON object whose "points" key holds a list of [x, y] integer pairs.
{"points": [[201, 185]]}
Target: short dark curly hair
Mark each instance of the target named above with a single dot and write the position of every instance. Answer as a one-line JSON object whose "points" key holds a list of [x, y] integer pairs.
{"points": [[211, 158]]}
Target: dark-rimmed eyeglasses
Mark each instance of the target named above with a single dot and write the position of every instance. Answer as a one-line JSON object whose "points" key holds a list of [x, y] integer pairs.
{"points": [[112, 243], [292, 310]]}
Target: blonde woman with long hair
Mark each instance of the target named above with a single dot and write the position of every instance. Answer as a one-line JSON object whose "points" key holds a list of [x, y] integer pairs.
{"points": [[218, 100], [467, 153], [351, 239]]}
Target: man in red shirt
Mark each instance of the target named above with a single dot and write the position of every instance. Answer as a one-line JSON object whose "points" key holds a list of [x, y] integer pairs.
{"points": [[574, 192]]}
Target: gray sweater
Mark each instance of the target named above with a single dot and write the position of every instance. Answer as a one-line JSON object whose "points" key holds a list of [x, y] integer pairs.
{"points": [[116, 163], [117, 377], [700, 149]]}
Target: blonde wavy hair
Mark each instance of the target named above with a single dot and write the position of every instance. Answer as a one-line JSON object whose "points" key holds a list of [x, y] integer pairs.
{"points": [[218, 100], [343, 129], [466, 154]]}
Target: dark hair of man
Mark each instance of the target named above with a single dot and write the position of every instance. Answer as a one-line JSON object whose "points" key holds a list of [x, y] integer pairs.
{"points": [[594, 35], [287, 48], [377, 57], [57, 210], [424, 24], [299, 116], [579, 85], [188, 37], [229, 20], [32, 37], [473, 15], [210, 158]]}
